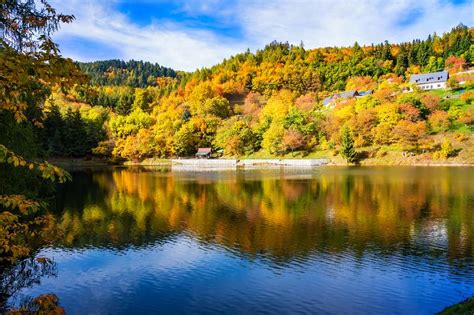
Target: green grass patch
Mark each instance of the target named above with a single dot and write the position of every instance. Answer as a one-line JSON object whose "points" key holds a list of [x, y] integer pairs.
{"points": [[292, 155], [464, 308]]}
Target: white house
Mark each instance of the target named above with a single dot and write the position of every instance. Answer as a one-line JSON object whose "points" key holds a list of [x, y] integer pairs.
{"points": [[430, 81]]}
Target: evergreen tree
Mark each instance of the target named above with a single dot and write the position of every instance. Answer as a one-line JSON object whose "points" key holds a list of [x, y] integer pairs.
{"points": [[53, 131], [124, 103], [348, 150], [75, 134], [132, 73], [55, 144]]}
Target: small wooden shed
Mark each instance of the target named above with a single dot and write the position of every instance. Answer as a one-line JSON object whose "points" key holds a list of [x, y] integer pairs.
{"points": [[204, 153]]}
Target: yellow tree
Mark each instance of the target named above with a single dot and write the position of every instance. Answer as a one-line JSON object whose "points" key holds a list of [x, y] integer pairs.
{"points": [[30, 66]]}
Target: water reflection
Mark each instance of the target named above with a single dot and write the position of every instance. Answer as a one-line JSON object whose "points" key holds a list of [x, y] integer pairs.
{"points": [[281, 213], [330, 240], [24, 274]]}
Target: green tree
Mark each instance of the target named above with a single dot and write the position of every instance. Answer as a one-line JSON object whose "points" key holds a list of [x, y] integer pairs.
{"points": [[272, 141], [236, 138], [453, 83], [123, 126], [142, 100], [30, 65], [185, 140], [75, 135], [347, 145], [217, 106], [53, 141], [124, 103]]}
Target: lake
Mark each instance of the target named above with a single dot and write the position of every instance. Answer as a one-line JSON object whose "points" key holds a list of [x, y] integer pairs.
{"points": [[361, 240]]}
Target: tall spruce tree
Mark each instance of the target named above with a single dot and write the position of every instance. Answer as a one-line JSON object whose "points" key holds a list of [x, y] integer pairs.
{"points": [[75, 134], [53, 130], [348, 151]]}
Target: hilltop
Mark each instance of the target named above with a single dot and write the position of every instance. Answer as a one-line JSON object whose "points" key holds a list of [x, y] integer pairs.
{"points": [[125, 73]]}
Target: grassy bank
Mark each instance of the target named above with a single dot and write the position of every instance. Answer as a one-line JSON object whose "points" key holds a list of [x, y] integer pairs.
{"points": [[149, 162], [391, 159], [462, 155], [369, 157], [464, 308], [262, 155], [79, 162]]}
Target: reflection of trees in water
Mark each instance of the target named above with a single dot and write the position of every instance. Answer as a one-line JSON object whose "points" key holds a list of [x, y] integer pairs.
{"points": [[281, 215], [24, 274], [284, 217]]}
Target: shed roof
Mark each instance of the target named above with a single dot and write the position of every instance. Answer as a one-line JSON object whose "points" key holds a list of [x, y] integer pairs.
{"points": [[433, 77], [204, 151]]}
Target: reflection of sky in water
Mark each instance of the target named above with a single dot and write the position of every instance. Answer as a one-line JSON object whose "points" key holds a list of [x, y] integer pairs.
{"points": [[335, 240], [183, 275]]}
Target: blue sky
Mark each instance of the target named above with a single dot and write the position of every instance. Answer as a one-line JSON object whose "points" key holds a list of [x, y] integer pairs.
{"points": [[189, 34]]}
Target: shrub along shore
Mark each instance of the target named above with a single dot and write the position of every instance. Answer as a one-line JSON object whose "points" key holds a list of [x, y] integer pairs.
{"points": [[465, 307]]}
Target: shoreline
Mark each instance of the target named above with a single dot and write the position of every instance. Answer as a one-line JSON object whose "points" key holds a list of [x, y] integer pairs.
{"points": [[80, 162], [290, 163], [249, 163]]}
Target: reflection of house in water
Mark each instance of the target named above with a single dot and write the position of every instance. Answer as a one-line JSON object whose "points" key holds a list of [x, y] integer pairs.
{"points": [[430, 81], [331, 100]]}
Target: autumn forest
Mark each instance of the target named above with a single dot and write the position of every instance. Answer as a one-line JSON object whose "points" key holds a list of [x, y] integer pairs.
{"points": [[267, 103], [350, 105]]}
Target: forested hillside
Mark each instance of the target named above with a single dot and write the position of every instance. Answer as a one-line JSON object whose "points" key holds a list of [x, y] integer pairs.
{"points": [[130, 73], [269, 103], [263, 104], [282, 66]]}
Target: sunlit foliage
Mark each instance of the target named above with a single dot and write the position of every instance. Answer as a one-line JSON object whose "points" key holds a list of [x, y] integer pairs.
{"points": [[271, 101]]}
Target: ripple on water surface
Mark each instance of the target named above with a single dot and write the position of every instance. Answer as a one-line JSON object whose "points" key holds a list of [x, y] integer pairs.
{"points": [[342, 240]]}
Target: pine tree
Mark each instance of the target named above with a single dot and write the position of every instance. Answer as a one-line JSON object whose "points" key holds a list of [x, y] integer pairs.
{"points": [[75, 134], [348, 150], [53, 129]]}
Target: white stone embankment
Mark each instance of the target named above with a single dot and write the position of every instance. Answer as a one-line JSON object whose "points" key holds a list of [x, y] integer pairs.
{"points": [[205, 164]]}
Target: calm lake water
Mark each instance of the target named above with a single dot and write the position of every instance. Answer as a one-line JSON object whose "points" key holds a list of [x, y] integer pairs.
{"points": [[374, 240]]}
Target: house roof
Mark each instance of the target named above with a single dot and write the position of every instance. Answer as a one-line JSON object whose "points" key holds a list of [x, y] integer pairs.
{"points": [[203, 151], [327, 100], [433, 77], [345, 94]]}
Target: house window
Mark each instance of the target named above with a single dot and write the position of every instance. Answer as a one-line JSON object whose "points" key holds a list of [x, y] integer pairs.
{"points": [[439, 85]]}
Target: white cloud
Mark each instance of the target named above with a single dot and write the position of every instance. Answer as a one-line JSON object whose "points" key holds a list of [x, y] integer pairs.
{"points": [[169, 44], [316, 22], [342, 22]]}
